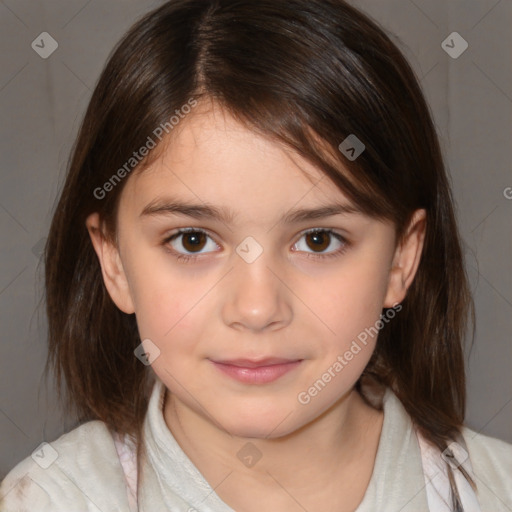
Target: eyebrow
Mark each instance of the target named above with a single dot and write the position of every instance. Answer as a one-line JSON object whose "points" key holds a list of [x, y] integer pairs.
{"points": [[159, 207]]}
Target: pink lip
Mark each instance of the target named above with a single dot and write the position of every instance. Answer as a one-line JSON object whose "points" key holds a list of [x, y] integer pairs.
{"points": [[257, 372]]}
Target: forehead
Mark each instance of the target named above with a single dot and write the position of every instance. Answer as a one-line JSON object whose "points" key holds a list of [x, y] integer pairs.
{"points": [[212, 158]]}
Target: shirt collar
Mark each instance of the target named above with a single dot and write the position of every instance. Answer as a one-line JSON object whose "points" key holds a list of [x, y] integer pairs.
{"points": [[173, 480], [397, 480]]}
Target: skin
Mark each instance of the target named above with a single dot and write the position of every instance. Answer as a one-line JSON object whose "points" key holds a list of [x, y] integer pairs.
{"points": [[318, 455]]}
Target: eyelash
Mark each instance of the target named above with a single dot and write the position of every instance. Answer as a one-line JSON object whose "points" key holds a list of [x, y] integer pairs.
{"points": [[186, 258]]}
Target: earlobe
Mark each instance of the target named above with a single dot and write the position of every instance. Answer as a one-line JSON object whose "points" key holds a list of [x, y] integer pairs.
{"points": [[406, 260], [112, 270]]}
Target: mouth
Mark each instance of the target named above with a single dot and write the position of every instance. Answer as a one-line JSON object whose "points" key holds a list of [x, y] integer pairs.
{"points": [[256, 371]]}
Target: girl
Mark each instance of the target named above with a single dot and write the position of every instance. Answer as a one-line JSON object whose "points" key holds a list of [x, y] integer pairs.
{"points": [[254, 279]]}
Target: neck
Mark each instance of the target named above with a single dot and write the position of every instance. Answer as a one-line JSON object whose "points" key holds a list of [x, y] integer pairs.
{"points": [[340, 443]]}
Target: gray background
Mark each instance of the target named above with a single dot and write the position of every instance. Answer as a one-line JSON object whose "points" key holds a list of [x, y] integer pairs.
{"points": [[42, 102]]}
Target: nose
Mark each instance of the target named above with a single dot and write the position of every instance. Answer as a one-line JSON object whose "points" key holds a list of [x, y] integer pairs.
{"points": [[257, 297]]}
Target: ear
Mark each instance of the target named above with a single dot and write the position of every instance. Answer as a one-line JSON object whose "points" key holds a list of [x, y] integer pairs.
{"points": [[112, 269], [406, 260]]}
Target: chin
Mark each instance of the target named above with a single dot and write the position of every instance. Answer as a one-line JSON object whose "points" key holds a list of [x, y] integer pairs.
{"points": [[259, 422], [257, 430]]}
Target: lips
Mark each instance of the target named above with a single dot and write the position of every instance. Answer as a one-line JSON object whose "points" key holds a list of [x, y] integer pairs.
{"points": [[261, 371], [250, 363]]}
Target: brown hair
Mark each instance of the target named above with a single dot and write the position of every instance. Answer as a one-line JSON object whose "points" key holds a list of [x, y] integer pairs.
{"points": [[307, 73]]}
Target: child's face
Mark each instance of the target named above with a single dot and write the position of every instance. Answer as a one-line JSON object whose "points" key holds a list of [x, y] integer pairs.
{"points": [[232, 302]]}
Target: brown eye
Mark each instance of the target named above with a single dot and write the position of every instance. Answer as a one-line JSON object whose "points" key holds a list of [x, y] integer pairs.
{"points": [[193, 241], [318, 240], [317, 243]]}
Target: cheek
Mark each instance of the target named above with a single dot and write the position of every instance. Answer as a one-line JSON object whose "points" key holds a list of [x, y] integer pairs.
{"points": [[353, 299], [350, 304], [167, 299], [173, 319], [164, 312]]}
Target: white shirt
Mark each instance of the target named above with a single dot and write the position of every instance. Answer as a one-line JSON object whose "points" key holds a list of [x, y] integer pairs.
{"points": [[87, 474]]}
